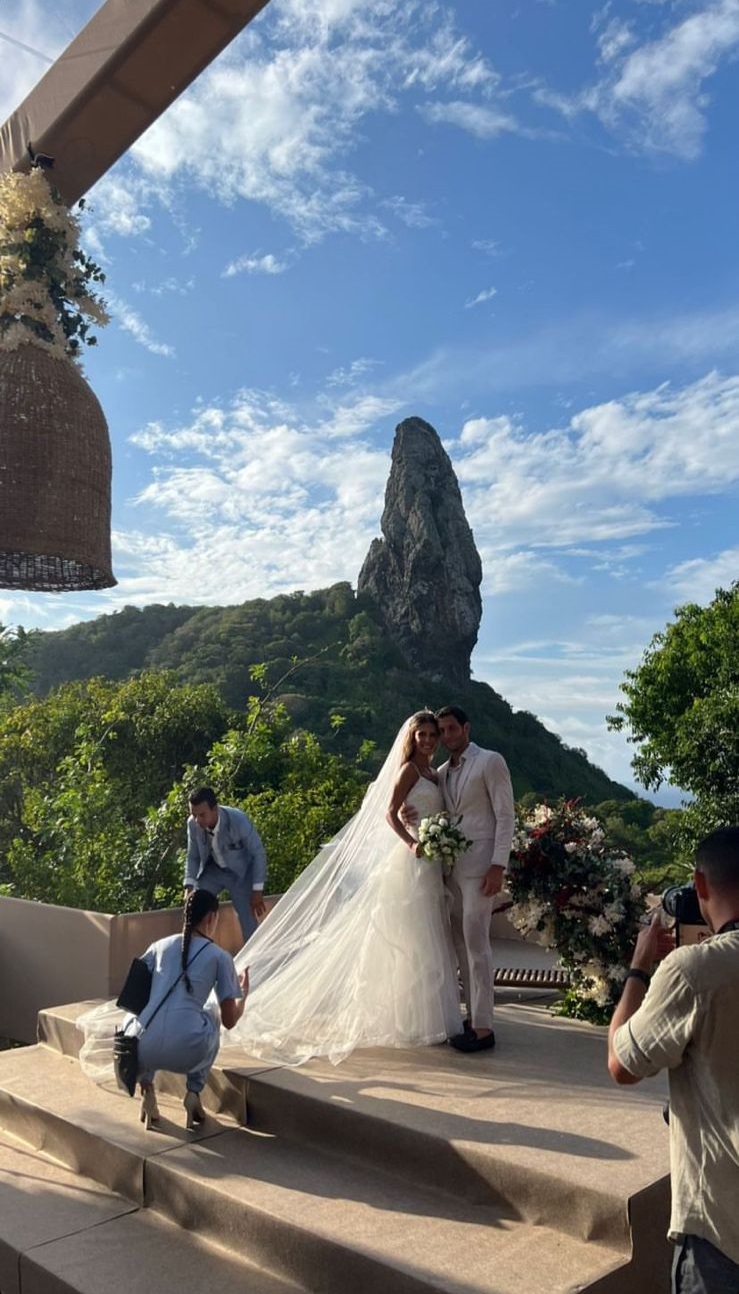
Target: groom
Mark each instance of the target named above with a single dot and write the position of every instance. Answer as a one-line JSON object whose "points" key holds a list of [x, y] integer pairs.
{"points": [[476, 786]]}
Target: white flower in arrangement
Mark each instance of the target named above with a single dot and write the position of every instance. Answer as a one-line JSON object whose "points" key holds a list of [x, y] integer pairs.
{"points": [[623, 864], [614, 912], [601, 992], [570, 883], [599, 925]]}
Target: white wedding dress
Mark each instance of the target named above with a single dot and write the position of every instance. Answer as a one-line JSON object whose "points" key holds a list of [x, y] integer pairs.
{"points": [[358, 953]]}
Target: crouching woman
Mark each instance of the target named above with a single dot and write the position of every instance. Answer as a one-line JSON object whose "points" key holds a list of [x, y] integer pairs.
{"points": [[179, 1028], [184, 1033]]}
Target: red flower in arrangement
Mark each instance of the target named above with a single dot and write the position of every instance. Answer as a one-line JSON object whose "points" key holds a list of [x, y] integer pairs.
{"points": [[576, 890]]}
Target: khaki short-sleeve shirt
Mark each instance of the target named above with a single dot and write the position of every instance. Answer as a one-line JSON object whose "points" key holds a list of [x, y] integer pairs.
{"points": [[688, 1024]]}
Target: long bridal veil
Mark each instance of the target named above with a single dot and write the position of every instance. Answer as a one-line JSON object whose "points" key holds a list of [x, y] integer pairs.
{"points": [[357, 952]]}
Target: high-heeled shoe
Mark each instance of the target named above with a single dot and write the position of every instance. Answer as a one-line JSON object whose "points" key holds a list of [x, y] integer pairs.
{"points": [[149, 1112], [193, 1110]]}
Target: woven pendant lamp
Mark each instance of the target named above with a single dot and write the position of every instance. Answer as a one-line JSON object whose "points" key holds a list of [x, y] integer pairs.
{"points": [[55, 470], [55, 462]]}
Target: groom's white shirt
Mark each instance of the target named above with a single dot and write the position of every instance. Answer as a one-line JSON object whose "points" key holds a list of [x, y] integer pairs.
{"points": [[480, 791]]}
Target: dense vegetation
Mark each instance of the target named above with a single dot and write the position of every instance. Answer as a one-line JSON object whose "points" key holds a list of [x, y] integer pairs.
{"points": [[94, 771], [681, 709], [348, 668]]}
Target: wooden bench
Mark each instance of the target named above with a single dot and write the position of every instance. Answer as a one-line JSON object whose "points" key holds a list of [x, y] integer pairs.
{"points": [[521, 977]]}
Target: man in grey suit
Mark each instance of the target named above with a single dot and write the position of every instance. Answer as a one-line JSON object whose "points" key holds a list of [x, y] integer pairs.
{"points": [[477, 788], [224, 852]]}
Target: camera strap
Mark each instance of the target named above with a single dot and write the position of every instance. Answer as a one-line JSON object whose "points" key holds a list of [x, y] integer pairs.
{"points": [[728, 925]]}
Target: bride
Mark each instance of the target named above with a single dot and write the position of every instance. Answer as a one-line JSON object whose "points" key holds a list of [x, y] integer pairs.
{"points": [[358, 952]]}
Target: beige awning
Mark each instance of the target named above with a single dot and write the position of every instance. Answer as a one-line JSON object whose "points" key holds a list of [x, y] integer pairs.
{"points": [[126, 66]]}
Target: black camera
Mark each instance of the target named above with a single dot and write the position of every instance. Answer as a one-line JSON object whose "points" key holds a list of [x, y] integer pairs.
{"points": [[681, 902]]}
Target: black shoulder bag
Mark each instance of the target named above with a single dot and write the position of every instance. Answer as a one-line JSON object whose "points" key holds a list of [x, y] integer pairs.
{"points": [[136, 991], [126, 1045]]}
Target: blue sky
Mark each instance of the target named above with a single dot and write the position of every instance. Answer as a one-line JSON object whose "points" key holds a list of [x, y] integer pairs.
{"points": [[514, 218]]}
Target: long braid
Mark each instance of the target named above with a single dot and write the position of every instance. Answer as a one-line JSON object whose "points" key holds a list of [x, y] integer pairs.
{"points": [[198, 904]]}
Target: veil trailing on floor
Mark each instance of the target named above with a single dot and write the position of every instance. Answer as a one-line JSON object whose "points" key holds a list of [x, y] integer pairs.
{"points": [[357, 952]]}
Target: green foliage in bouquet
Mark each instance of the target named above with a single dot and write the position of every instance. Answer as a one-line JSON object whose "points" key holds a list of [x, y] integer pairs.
{"points": [[577, 890]]}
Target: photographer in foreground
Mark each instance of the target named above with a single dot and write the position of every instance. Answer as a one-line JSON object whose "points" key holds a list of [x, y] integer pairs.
{"points": [[687, 1021]]}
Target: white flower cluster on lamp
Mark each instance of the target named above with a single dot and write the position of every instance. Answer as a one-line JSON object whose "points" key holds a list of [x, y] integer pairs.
{"points": [[46, 297]]}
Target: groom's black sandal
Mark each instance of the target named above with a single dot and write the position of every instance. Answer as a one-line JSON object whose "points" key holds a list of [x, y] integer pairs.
{"points": [[469, 1041]]}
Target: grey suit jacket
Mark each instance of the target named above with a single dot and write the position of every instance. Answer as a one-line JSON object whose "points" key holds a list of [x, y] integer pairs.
{"points": [[239, 843]]}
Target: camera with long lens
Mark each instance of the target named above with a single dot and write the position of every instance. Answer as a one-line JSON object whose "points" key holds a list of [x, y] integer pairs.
{"points": [[681, 902]]}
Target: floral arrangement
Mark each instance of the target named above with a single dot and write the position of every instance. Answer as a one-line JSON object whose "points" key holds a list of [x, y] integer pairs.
{"points": [[46, 294], [578, 891], [441, 838]]}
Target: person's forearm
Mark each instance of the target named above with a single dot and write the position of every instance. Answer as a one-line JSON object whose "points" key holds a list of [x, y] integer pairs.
{"points": [[394, 821], [631, 999], [633, 995]]}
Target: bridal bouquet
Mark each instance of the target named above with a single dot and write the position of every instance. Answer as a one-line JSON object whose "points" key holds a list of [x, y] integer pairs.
{"points": [[441, 838]]}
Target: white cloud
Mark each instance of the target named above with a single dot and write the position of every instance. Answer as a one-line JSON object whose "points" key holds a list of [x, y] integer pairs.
{"points": [[603, 476], [477, 118], [572, 351], [131, 322], [614, 39], [487, 245], [698, 579], [486, 294], [654, 96], [255, 492], [274, 118], [412, 214], [116, 207], [256, 263], [662, 82], [349, 376]]}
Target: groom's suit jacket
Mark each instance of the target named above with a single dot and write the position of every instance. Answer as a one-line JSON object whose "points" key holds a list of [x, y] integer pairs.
{"points": [[482, 795]]}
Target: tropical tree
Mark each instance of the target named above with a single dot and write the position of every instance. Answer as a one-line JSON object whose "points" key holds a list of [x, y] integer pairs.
{"points": [[682, 711]]}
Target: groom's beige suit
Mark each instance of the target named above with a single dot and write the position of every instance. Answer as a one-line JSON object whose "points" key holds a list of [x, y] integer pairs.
{"points": [[479, 791]]}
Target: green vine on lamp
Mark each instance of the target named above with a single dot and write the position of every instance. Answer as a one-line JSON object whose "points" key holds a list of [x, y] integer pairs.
{"points": [[47, 283]]}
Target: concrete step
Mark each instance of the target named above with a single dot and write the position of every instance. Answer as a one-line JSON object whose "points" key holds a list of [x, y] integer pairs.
{"points": [[535, 1128], [327, 1222], [59, 1235]]}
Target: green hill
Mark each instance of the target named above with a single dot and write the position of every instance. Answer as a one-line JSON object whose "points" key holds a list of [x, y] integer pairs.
{"points": [[349, 669]]}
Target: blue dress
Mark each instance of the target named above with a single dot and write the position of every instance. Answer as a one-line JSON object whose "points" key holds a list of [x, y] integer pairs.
{"points": [[185, 1033]]}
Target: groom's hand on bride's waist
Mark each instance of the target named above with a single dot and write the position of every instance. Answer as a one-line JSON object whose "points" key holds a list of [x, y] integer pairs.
{"points": [[408, 815], [492, 881]]}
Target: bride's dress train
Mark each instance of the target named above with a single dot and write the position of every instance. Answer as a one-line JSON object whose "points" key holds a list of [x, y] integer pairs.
{"points": [[358, 952]]}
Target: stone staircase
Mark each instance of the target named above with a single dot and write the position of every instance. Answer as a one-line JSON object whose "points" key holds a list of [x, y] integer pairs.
{"points": [[409, 1172]]}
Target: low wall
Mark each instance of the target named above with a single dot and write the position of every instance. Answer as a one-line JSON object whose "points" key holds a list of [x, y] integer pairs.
{"points": [[51, 955]]}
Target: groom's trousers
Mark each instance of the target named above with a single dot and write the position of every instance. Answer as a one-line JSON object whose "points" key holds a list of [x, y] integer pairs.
{"points": [[470, 919]]}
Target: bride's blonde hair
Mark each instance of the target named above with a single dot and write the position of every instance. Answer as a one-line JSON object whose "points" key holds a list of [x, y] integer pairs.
{"points": [[415, 722]]}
